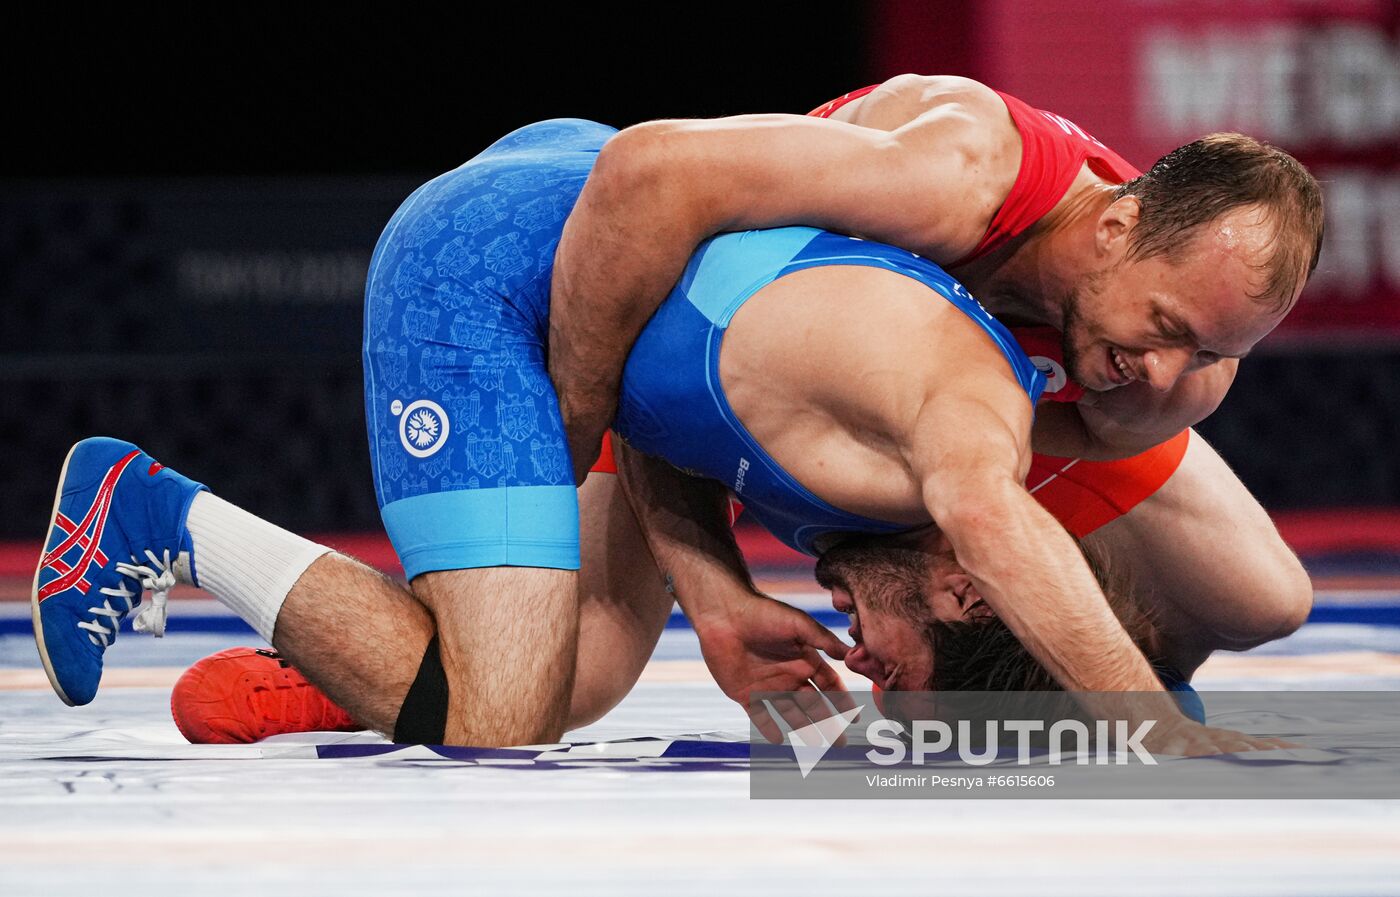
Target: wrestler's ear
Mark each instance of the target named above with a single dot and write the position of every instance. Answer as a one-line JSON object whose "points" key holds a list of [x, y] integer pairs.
{"points": [[1115, 224], [969, 599]]}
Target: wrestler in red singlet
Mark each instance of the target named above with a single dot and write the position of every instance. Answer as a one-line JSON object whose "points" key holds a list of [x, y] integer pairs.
{"points": [[1083, 495]]}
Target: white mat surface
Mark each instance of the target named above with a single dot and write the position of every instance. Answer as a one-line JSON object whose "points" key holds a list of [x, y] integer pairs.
{"points": [[218, 823]]}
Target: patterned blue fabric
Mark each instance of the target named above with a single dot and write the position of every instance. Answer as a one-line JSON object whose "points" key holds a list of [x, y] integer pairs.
{"points": [[457, 393], [673, 405]]}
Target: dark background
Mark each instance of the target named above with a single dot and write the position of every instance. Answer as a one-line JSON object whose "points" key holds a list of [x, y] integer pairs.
{"points": [[188, 207]]}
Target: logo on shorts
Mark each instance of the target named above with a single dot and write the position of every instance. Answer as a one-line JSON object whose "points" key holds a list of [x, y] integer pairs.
{"points": [[423, 428], [1055, 376]]}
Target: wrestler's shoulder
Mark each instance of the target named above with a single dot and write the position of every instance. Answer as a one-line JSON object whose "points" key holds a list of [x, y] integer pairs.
{"points": [[948, 88], [918, 95], [943, 112], [912, 324]]}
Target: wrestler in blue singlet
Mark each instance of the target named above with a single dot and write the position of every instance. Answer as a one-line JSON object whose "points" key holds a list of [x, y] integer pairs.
{"points": [[471, 468], [673, 404], [470, 463]]}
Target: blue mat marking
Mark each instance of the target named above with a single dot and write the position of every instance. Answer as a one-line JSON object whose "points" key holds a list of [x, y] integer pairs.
{"points": [[1360, 614]]}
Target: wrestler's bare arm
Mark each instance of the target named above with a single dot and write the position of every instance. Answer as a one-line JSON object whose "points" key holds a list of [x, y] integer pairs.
{"points": [[686, 524], [1123, 422], [660, 188], [968, 448], [750, 642]]}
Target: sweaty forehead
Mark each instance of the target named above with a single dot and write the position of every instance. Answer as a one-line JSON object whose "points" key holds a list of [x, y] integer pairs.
{"points": [[1247, 234], [1218, 281]]}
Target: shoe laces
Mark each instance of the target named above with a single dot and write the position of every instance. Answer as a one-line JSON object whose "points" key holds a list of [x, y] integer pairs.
{"points": [[158, 578], [280, 699]]}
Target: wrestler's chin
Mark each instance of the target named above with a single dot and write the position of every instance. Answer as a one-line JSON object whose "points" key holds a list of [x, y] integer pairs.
{"points": [[1091, 381], [1091, 385]]}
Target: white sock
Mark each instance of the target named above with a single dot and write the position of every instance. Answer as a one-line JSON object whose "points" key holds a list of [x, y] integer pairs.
{"points": [[246, 562]]}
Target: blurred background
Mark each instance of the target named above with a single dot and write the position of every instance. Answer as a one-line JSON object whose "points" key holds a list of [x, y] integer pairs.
{"points": [[188, 206]]}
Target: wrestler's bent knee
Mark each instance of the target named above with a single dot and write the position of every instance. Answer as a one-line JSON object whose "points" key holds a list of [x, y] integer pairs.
{"points": [[423, 717], [1289, 600]]}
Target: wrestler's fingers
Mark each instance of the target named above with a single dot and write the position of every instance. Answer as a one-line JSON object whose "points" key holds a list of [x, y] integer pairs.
{"points": [[838, 700], [1242, 743], [829, 681], [820, 637], [764, 722], [810, 702], [791, 713], [1271, 743], [1274, 741]]}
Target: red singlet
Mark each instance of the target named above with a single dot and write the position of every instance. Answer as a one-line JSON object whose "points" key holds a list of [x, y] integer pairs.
{"points": [[1083, 495]]}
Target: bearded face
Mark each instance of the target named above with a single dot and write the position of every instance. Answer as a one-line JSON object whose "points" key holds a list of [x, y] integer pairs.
{"points": [[894, 594]]}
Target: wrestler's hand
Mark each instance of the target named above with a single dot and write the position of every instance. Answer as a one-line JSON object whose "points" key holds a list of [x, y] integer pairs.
{"points": [[759, 644], [1188, 738]]}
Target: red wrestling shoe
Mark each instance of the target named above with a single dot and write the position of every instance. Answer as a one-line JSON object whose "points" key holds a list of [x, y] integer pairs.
{"points": [[246, 694]]}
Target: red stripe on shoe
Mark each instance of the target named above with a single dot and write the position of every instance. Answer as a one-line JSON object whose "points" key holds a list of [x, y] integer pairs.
{"points": [[88, 533]]}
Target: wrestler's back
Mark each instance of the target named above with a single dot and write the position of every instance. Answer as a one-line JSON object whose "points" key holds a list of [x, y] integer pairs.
{"points": [[828, 367], [902, 99]]}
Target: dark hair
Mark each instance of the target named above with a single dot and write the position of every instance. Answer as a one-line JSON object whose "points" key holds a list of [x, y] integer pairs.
{"points": [[1197, 183], [983, 655]]}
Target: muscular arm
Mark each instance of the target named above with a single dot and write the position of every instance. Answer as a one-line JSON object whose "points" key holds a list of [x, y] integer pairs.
{"points": [[1034, 578], [686, 523], [750, 642], [968, 451], [1132, 419], [660, 188]]}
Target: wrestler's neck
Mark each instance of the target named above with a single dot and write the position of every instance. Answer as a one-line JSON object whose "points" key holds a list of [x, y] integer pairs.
{"points": [[1027, 281]]}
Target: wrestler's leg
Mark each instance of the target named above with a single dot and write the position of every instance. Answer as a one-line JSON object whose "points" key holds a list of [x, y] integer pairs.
{"points": [[520, 659], [507, 640], [623, 602], [509, 663], [623, 609], [467, 447], [370, 672], [1212, 561]]}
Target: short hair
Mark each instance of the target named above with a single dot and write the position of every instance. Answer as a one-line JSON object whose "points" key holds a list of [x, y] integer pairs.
{"points": [[1197, 183], [985, 656]]}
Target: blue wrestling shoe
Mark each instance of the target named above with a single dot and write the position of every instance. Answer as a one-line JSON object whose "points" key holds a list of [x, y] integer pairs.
{"points": [[118, 528]]}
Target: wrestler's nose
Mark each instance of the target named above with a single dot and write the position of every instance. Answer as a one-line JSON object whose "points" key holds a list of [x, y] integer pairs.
{"points": [[1165, 366]]}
